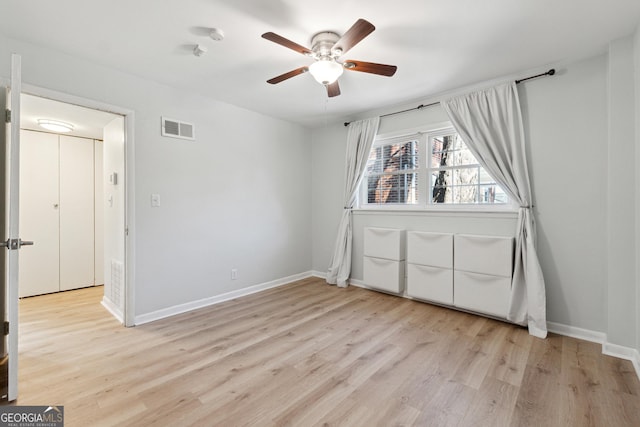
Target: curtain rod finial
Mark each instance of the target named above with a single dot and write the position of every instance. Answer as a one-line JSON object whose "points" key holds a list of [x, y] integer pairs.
{"points": [[551, 72]]}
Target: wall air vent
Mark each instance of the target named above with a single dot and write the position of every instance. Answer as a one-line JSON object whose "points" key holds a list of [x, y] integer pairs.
{"points": [[178, 129]]}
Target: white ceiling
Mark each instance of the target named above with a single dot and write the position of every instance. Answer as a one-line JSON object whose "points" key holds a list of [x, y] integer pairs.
{"points": [[438, 45], [86, 122]]}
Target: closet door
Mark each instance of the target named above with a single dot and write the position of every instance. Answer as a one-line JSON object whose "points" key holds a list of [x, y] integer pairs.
{"points": [[76, 213], [39, 267]]}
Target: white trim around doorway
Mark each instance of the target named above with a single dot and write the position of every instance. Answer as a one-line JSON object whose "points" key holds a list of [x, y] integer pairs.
{"points": [[129, 120]]}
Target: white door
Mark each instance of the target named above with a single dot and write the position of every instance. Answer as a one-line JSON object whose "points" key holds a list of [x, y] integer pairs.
{"points": [[12, 241], [39, 219], [76, 213]]}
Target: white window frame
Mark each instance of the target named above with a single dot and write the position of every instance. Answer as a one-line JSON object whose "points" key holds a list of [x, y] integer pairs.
{"points": [[424, 171]]}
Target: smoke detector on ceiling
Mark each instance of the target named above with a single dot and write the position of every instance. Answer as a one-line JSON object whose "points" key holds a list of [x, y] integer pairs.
{"points": [[216, 34], [199, 50]]}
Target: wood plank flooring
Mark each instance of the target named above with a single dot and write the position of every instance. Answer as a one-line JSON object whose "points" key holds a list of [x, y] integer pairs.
{"points": [[310, 354]]}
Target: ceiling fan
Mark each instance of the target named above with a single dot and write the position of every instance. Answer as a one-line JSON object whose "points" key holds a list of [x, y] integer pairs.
{"points": [[326, 49]]}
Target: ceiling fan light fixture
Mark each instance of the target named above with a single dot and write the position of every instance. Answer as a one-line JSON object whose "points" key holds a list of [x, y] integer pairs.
{"points": [[326, 71], [55, 125]]}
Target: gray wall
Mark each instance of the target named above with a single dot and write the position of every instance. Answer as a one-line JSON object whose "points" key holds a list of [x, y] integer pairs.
{"points": [[566, 125], [621, 187], [566, 128], [113, 208], [237, 197]]}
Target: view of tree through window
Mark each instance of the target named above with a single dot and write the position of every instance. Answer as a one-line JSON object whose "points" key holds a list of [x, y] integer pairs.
{"points": [[457, 177], [397, 173]]}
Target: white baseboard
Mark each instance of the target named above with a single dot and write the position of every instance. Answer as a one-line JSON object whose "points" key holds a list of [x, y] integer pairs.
{"points": [[113, 309], [320, 274], [573, 332], [636, 362], [615, 350], [630, 354], [194, 305]]}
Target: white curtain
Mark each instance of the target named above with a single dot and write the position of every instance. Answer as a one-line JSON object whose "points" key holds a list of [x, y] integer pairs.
{"points": [[359, 141], [490, 123]]}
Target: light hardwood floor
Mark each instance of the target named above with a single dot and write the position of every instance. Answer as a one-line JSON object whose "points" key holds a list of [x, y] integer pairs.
{"points": [[309, 354]]}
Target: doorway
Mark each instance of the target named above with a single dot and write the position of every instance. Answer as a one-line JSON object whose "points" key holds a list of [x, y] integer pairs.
{"points": [[86, 207]]}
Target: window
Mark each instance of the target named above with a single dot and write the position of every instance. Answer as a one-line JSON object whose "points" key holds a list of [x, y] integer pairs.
{"points": [[392, 173], [424, 170]]}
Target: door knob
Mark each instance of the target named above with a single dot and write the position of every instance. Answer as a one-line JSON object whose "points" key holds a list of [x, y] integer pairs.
{"points": [[15, 244]]}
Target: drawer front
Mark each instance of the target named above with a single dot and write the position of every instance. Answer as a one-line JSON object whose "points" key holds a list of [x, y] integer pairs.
{"points": [[385, 243], [430, 283], [484, 254], [482, 293], [432, 249], [384, 274]]}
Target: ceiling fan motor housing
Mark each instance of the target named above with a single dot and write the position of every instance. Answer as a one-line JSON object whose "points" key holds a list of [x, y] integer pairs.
{"points": [[322, 44]]}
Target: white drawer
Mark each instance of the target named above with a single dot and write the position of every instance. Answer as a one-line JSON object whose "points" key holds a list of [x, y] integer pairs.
{"points": [[430, 283], [484, 254], [432, 249], [384, 274], [482, 293], [385, 243]]}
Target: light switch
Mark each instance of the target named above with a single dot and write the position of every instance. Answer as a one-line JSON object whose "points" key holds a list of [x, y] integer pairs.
{"points": [[155, 200]]}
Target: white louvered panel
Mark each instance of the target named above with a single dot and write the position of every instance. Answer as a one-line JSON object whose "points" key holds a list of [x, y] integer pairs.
{"points": [[177, 129], [117, 278]]}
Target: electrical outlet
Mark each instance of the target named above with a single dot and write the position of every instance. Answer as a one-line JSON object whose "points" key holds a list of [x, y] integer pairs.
{"points": [[234, 274], [155, 200]]}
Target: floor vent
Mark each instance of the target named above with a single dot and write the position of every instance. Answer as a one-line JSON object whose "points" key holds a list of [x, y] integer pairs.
{"points": [[117, 279], [177, 129]]}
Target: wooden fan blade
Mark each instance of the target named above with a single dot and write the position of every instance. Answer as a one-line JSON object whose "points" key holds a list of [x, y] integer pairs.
{"points": [[370, 67], [354, 35], [333, 89], [286, 43], [285, 76]]}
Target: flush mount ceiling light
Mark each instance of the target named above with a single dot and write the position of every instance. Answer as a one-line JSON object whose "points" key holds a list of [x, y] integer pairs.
{"points": [[55, 125], [326, 71]]}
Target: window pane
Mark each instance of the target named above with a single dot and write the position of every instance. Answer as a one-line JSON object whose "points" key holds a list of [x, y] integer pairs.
{"points": [[465, 193], [465, 185], [441, 182], [393, 157], [492, 193], [392, 188], [450, 150]]}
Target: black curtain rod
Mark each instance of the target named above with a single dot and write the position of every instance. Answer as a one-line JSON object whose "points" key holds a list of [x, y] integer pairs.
{"points": [[551, 72]]}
